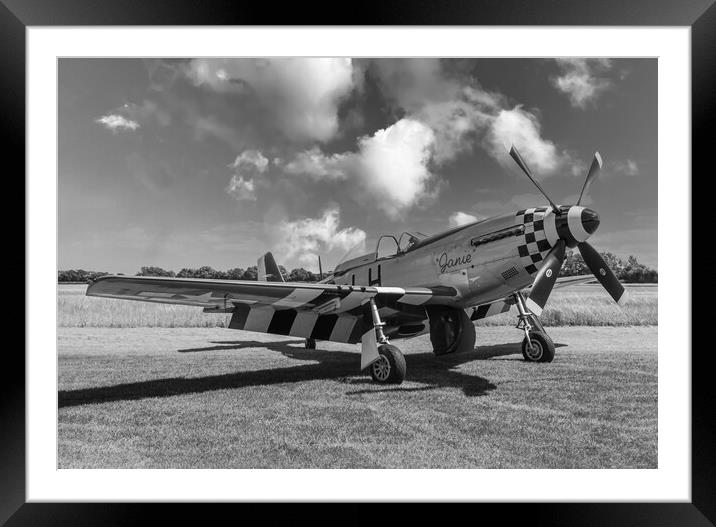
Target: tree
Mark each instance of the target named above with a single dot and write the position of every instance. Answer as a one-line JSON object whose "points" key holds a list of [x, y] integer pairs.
{"points": [[302, 275], [187, 273], [155, 271], [79, 275], [251, 273], [630, 271], [237, 273], [573, 265]]}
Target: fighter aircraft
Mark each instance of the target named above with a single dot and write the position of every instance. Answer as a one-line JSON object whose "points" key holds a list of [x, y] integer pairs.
{"points": [[410, 285]]}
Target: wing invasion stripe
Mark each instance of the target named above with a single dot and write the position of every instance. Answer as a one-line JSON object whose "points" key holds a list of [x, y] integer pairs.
{"points": [[489, 310], [282, 322], [324, 326], [303, 324], [297, 298], [238, 319], [343, 328], [416, 297], [482, 311], [354, 300], [259, 319]]}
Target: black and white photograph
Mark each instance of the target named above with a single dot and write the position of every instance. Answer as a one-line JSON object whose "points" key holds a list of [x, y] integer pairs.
{"points": [[357, 262]]}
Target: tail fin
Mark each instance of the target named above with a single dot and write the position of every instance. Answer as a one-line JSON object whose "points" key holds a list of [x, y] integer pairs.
{"points": [[268, 271]]}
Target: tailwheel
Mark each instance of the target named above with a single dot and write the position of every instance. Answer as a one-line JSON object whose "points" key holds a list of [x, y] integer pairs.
{"points": [[390, 366], [541, 348]]}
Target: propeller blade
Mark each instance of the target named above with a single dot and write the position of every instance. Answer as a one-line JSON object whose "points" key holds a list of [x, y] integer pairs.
{"points": [[518, 159], [545, 279], [601, 271], [591, 175]]}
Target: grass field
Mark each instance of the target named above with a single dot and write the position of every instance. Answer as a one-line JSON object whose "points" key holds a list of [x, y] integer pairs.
{"points": [[582, 305], [216, 398]]}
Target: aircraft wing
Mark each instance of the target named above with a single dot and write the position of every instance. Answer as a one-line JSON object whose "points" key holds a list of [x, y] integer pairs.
{"points": [[320, 311]]}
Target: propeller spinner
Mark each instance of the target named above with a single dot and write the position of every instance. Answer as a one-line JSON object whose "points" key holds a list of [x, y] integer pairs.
{"points": [[574, 225]]}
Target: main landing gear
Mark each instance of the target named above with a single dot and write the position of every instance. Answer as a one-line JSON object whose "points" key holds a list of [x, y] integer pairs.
{"points": [[536, 346], [389, 367]]}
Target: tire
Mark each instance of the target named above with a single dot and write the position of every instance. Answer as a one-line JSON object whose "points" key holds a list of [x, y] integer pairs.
{"points": [[310, 344], [390, 367], [451, 331], [543, 347]]}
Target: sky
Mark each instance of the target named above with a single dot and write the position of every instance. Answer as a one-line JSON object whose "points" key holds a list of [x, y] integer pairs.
{"points": [[213, 161]]}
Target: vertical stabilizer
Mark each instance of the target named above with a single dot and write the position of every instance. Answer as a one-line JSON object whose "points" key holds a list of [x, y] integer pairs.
{"points": [[268, 271]]}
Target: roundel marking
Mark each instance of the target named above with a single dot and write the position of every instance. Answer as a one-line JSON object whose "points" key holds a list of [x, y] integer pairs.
{"points": [[602, 271], [549, 273]]}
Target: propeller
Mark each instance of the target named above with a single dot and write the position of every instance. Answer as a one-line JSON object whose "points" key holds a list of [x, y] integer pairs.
{"points": [[593, 171], [545, 279], [601, 271], [573, 225], [518, 159]]}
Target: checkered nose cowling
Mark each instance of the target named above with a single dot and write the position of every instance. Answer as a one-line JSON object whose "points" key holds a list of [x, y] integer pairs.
{"points": [[539, 236], [543, 228]]}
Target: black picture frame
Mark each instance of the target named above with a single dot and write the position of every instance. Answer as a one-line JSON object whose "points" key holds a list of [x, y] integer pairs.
{"points": [[700, 15]]}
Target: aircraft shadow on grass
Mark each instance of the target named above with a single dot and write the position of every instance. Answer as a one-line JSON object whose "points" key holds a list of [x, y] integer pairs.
{"points": [[433, 372]]}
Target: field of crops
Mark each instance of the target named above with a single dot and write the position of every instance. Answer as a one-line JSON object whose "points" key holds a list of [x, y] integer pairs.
{"points": [[581, 305]]}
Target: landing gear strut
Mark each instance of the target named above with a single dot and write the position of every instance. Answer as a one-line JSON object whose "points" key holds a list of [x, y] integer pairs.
{"points": [[536, 346], [389, 367]]}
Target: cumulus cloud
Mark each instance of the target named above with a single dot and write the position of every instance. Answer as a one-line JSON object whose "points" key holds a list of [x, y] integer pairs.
{"points": [[117, 123], [523, 129], [242, 189], [392, 165], [461, 218], [247, 166], [462, 114], [301, 95], [580, 79], [318, 165], [250, 160], [303, 239], [131, 116]]}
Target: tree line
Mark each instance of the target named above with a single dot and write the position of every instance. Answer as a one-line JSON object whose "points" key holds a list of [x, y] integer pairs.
{"points": [[237, 273], [629, 271]]}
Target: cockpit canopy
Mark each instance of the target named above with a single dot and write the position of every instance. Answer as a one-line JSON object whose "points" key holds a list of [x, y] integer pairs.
{"points": [[388, 246]]}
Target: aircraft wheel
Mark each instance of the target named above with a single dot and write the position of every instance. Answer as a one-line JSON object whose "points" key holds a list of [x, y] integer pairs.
{"points": [[390, 367], [542, 347], [451, 331], [310, 344]]}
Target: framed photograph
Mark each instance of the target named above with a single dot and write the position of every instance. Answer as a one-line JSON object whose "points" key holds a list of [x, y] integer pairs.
{"points": [[420, 256]]}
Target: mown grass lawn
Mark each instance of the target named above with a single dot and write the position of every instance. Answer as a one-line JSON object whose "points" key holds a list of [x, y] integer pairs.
{"points": [[217, 398]]}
